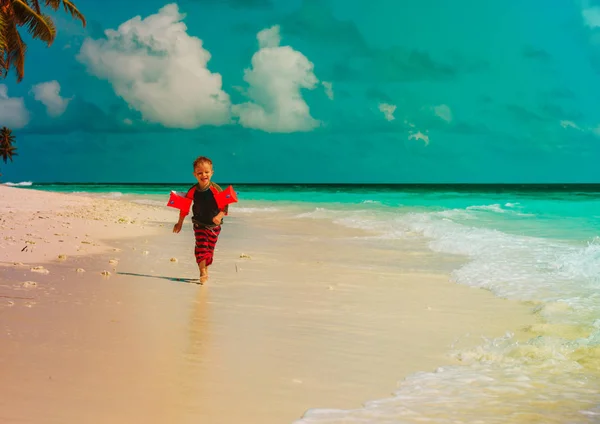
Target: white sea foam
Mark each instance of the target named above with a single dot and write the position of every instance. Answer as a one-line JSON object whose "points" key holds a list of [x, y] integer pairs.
{"points": [[513, 266], [21, 184], [501, 380], [151, 202], [508, 208], [250, 210], [111, 195]]}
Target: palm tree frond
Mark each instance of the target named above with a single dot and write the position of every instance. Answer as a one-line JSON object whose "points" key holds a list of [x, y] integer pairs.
{"points": [[69, 8], [39, 25], [3, 24], [72, 9], [36, 5], [15, 52], [6, 136], [7, 150], [7, 153]]}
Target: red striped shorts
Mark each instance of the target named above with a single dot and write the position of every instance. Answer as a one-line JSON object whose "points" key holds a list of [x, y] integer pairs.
{"points": [[206, 239]]}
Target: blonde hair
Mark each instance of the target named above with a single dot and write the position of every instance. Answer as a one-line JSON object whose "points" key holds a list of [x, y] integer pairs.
{"points": [[202, 159]]}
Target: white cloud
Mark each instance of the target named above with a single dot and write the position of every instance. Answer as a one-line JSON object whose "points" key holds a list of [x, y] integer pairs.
{"points": [[591, 16], [276, 78], [13, 113], [443, 112], [419, 136], [269, 38], [48, 93], [570, 124], [387, 110], [160, 70], [328, 89]]}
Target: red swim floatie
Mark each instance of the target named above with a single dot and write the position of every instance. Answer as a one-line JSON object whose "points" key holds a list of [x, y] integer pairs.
{"points": [[177, 201], [225, 197]]}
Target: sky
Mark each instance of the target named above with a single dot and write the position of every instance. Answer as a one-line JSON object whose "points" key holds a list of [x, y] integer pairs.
{"points": [[312, 91]]}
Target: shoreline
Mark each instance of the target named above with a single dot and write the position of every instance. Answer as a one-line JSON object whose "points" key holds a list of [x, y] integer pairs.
{"points": [[291, 328]]}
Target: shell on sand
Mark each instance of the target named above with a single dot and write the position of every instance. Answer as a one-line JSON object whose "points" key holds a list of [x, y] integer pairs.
{"points": [[113, 262], [29, 284], [80, 270], [40, 269], [105, 273], [145, 252], [173, 259], [62, 257]]}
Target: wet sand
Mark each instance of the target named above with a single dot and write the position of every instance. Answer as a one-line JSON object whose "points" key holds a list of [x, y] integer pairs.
{"points": [[297, 314]]}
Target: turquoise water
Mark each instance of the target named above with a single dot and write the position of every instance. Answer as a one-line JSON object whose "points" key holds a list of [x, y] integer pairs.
{"points": [[539, 245]]}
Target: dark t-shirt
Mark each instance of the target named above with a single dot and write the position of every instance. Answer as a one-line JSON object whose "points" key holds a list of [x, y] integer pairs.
{"points": [[204, 206]]}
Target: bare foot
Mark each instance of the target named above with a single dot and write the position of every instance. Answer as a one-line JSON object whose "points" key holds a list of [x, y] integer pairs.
{"points": [[203, 273]]}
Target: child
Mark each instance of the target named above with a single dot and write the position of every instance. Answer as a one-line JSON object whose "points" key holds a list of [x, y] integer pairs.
{"points": [[207, 218]]}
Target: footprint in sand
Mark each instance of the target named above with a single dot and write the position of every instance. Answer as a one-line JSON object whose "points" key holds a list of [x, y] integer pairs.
{"points": [[113, 262], [62, 257]]}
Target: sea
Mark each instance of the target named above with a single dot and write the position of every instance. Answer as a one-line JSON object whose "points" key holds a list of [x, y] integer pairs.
{"points": [[538, 244]]}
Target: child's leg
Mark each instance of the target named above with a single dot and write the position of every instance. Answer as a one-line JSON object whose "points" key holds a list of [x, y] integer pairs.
{"points": [[203, 272], [206, 239]]}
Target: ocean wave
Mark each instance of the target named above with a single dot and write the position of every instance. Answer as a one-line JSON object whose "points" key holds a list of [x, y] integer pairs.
{"points": [[507, 208], [21, 184], [501, 380], [151, 202], [514, 266], [250, 210], [110, 195]]}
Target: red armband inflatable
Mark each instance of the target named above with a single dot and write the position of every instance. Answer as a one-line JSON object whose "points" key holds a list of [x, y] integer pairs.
{"points": [[225, 197], [179, 201]]}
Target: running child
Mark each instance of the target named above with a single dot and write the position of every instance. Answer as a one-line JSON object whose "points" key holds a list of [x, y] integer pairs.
{"points": [[206, 216]]}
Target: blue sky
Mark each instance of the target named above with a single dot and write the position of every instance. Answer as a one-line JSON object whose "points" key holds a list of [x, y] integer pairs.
{"points": [[312, 91]]}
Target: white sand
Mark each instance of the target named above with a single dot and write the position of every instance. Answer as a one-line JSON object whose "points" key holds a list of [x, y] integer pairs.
{"points": [[293, 326]]}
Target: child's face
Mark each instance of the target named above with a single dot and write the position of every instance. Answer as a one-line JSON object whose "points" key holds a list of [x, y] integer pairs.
{"points": [[203, 173]]}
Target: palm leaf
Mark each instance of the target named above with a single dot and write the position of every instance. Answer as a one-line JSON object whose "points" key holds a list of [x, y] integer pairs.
{"points": [[7, 153], [69, 8], [15, 51], [39, 25], [6, 137], [3, 23], [36, 5]]}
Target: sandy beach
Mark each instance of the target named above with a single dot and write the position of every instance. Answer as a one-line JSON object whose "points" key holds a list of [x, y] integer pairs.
{"points": [[100, 321]]}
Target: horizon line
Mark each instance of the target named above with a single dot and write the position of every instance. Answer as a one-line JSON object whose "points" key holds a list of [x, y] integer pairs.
{"points": [[330, 184]]}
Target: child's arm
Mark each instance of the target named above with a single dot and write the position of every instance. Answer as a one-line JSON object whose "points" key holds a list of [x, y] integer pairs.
{"points": [[183, 214], [179, 224], [219, 217]]}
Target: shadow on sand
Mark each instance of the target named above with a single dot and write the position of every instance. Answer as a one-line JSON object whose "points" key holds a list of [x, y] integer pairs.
{"points": [[175, 279]]}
